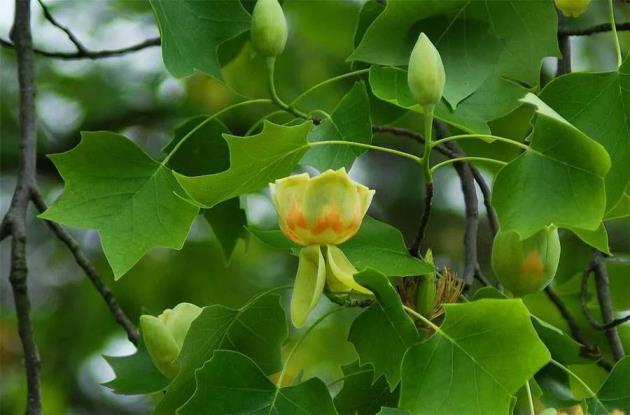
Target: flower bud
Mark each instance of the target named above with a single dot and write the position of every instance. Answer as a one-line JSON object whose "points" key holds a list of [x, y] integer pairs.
{"points": [[528, 266], [269, 28], [325, 210], [573, 8], [425, 75], [164, 335]]}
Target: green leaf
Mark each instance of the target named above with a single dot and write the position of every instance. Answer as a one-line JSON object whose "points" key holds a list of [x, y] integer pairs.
{"points": [[192, 31], [615, 392], [381, 247], [382, 334], [254, 162], [599, 105], [228, 222], [362, 395], [392, 411], [349, 121], [622, 208], [483, 353], [204, 152], [597, 238], [562, 171], [129, 198], [135, 374], [257, 329], [527, 30], [231, 383], [561, 346], [376, 245], [496, 98]]}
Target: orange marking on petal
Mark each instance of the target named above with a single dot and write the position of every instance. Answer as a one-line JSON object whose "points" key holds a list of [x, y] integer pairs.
{"points": [[330, 219], [295, 217], [533, 265]]}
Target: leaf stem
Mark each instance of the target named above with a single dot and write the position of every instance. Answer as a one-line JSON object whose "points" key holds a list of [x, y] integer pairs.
{"points": [[366, 146], [428, 145], [261, 120], [467, 158], [482, 136], [210, 118], [329, 81], [530, 400], [422, 318], [576, 377], [611, 10], [297, 344], [271, 65]]}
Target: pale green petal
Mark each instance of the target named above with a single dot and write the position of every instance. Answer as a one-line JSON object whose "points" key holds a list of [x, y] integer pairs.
{"points": [[309, 284], [160, 344], [340, 272]]}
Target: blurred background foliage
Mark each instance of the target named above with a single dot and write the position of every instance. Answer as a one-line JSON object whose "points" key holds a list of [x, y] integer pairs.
{"points": [[135, 95]]}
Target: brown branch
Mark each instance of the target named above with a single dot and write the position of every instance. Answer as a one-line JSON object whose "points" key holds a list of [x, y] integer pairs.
{"points": [[584, 302], [90, 54], [89, 269], [15, 219], [424, 221], [564, 42], [600, 28], [77, 43], [576, 333]]}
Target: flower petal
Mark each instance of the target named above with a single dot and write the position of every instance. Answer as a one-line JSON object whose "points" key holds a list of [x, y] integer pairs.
{"points": [[340, 272], [309, 284]]}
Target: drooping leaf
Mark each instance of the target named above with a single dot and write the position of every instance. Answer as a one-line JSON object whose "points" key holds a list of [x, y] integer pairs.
{"points": [[361, 394], [597, 238], [228, 222], [563, 173], [599, 105], [192, 31], [349, 121], [376, 245], [496, 98], [255, 161], [257, 330], [232, 383], [135, 374], [469, 365], [622, 208], [382, 334], [129, 198]]}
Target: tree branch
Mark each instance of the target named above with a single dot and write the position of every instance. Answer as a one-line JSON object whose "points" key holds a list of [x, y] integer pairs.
{"points": [[15, 219], [90, 54], [564, 41], [584, 302], [91, 272], [600, 28], [424, 221], [54, 22]]}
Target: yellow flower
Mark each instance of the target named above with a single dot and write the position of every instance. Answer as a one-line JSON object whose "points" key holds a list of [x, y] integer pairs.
{"points": [[320, 213], [325, 210], [573, 8], [164, 335]]}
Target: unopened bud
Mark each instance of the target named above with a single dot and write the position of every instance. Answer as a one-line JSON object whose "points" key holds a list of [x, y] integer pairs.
{"points": [[573, 8], [425, 74], [269, 28]]}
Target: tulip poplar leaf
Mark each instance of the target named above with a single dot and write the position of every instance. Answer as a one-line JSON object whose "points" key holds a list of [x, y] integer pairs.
{"points": [[192, 31], [382, 334], [257, 330], [469, 365], [515, 35], [361, 393], [349, 121], [135, 374], [599, 105], [129, 198], [563, 172], [496, 98], [232, 383], [255, 161], [615, 392]]}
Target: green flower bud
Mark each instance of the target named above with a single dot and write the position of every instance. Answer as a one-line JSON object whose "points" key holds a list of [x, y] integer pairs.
{"points": [[164, 335], [573, 8], [269, 28], [528, 266], [425, 74]]}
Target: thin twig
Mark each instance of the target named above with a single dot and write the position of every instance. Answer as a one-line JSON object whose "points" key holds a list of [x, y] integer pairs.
{"points": [[424, 221], [90, 54], [584, 302], [600, 28], [576, 333], [564, 41], [605, 304], [89, 269], [77, 43], [16, 216]]}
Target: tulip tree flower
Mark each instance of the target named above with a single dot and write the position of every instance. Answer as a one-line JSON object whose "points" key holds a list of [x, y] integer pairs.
{"points": [[164, 335], [320, 213]]}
